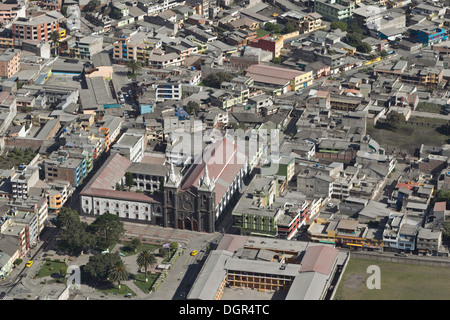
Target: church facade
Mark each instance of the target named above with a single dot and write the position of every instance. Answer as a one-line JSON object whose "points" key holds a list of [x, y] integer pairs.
{"points": [[196, 200]]}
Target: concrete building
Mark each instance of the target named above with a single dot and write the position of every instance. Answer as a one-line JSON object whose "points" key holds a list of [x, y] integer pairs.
{"points": [[88, 46], [100, 195], [296, 269], [9, 62], [130, 145], [25, 178], [333, 10], [36, 27]]}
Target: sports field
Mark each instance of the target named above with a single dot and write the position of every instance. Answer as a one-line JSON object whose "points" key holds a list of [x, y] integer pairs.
{"points": [[397, 282]]}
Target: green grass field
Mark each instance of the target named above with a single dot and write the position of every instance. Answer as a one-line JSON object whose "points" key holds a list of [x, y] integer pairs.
{"points": [[398, 282], [51, 267], [407, 136]]}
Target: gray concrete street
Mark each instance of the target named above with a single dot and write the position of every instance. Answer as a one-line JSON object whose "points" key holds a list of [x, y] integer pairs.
{"points": [[176, 285]]}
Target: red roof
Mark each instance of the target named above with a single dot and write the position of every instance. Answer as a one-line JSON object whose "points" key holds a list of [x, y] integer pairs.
{"points": [[407, 185], [103, 183], [319, 259], [224, 163], [440, 206]]}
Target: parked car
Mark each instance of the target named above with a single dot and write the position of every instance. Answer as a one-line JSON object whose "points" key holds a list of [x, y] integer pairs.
{"points": [[401, 254]]}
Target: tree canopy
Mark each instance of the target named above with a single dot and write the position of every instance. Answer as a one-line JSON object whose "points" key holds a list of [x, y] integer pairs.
{"points": [[108, 228], [215, 79], [395, 119], [339, 25], [99, 265]]}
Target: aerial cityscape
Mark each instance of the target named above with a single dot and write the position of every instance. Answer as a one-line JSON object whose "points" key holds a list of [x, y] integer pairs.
{"points": [[232, 150]]}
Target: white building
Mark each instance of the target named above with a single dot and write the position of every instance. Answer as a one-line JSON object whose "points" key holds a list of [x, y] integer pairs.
{"points": [[130, 145], [100, 195]]}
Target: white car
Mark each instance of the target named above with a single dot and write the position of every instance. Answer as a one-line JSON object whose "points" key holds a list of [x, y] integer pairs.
{"points": [[330, 204]]}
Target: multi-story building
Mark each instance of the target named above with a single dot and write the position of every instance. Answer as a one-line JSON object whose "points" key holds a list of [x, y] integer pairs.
{"points": [[160, 59], [400, 233], [428, 35], [333, 10], [301, 272], [271, 44], [36, 27], [21, 182], [58, 194], [136, 46], [148, 176], [429, 241], [305, 22], [130, 145], [197, 199], [282, 79], [167, 90], [61, 166], [9, 62], [9, 12], [100, 195], [86, 47]]}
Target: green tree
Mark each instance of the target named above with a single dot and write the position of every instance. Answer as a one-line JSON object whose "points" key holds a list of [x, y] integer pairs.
{"points": [[76, 238], [145, 259], [215, 79], [383, 54], [134, 67], [116, 14], [277, 60], [353, 38], [192, 107], [273, 27], [129, 180], [339, 25], [289, 27], [108, 229], [442, 195], [64, 11], [99, 265], [55, 36], [135, 243], [118, 186], [92, 5], [66, 218], [118, 273], [395, 119], [364, 47]]}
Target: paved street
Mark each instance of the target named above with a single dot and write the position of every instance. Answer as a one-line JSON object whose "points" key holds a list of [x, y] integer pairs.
{"points": [[20, 284]]}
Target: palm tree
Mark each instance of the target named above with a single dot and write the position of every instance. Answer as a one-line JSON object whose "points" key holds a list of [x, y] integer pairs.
{"points": [[55, 36], [145, 259], [118, 273], [134, 67], [135, 243]]}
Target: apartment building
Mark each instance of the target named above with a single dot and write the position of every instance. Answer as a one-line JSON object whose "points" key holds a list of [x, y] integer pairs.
{"points": [[131, 146], [9, 62], [61, 166], [272, 44], [21, 182], [305, 22], [58, 194], [37, 27], [9, 12], [137, 46], [428, 35], [333, 10], [86, 47]]}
